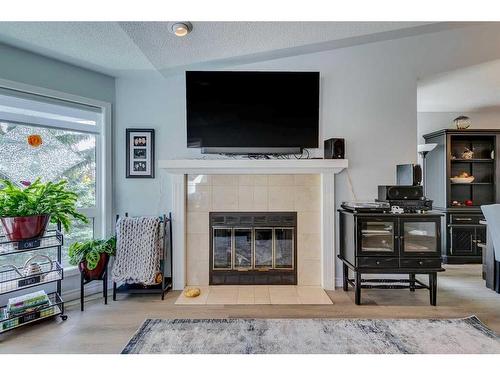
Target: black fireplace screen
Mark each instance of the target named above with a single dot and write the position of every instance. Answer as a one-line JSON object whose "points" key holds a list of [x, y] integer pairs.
{"points": [[253, 248]]}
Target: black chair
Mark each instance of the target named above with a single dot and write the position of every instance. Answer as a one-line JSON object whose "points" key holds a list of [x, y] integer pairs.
{"points": [[491, 265]]}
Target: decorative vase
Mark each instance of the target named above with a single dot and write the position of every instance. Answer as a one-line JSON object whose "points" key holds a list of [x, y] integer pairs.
{"points": [[25, 227], [467, 154], [462, 122], [97, 272]]}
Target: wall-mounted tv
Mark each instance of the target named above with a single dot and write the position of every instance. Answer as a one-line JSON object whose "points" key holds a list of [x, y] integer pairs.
{"points": [[252, 112]]}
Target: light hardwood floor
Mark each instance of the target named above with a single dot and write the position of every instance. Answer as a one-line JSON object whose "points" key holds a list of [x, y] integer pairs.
{"points": [[107, 328]]}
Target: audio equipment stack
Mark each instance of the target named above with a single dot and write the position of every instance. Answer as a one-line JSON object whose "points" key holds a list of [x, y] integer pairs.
{"points": [[409, 198]]}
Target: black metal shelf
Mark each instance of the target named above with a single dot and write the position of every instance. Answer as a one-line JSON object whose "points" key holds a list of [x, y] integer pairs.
{"points": [[51, 239], [144, 289], [166, 284], [11, 281], [56, 307]]}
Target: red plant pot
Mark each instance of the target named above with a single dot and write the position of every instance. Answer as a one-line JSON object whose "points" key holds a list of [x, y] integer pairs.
{"points": [[24, 227], [97, 272]]}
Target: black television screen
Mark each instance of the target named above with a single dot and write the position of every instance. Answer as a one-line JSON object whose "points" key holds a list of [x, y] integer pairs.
{"points": [[252, 109]]}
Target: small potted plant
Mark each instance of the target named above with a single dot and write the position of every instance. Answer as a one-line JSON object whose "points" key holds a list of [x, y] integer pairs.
{"points": [[25, 212], [92, 256]]}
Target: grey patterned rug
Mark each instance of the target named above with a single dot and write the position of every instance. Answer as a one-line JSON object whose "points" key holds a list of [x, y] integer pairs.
{"points": [[270, 336]]}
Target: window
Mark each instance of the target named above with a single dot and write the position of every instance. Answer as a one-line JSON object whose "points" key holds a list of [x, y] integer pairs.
{"points": [[72, 149]]}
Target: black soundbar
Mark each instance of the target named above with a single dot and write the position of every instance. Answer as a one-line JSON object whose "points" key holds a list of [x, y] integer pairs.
{"points": [[400, 192]]}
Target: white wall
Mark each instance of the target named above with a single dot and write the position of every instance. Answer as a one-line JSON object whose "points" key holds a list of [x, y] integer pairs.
{"points": [[368, 96]]}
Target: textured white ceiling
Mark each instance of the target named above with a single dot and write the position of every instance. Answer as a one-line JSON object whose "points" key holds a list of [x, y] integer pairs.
{"points": [[473, 89], [123, 48], [221, 40], [101, 46]]}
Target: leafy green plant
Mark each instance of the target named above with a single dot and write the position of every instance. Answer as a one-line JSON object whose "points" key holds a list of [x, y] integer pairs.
{"points": [[51, 198], [90, 251]]}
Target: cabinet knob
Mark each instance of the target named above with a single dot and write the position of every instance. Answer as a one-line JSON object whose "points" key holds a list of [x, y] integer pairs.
{"points": [[377, 262], [420, 262]]}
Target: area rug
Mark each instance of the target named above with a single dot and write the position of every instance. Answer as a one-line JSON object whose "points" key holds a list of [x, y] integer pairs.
{"points": [[321, 336]]}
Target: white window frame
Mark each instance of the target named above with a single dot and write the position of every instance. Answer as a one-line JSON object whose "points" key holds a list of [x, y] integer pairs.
{"points": [[102, 212]]}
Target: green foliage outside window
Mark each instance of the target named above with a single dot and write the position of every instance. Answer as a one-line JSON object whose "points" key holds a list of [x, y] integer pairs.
{"points": [[63, 155]]}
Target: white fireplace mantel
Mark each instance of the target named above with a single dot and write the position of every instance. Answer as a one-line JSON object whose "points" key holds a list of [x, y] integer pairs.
{"points": [[327, 168], [248, 166]]}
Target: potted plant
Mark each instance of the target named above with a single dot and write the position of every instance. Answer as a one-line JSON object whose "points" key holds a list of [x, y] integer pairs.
{"points": [[92, 256], [25, 212]]}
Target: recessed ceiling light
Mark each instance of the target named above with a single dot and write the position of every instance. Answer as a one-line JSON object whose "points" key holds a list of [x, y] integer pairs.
{"points": [[181, 28]]}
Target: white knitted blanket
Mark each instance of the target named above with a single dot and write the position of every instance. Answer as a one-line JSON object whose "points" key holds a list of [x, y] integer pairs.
{"points": [[138, 250]]}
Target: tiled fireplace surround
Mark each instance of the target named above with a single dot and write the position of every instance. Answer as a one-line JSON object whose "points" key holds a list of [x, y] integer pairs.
{"points": [[259, 193], [305, 186]]}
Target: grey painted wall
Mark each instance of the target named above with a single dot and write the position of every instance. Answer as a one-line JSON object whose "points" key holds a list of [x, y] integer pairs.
{"points": [[368, 96], [32, 69], [29, 68]]}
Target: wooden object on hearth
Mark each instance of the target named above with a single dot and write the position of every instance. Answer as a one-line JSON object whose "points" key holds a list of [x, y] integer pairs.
{"points": [[385, 243]]}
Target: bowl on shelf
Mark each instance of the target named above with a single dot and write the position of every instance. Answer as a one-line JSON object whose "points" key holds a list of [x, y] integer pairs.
{"points": [[462, 180]]}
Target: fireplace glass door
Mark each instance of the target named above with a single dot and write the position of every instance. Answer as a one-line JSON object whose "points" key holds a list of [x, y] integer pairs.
{"points": [[283, 247], [222, 248], [253, 248], [243, 248], [263, 248]]}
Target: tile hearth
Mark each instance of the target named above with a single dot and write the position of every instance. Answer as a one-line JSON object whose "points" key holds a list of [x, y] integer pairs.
{"points": [[257, 295]]}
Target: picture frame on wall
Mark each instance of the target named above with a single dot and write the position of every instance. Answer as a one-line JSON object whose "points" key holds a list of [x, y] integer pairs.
{"points": [[140, 149]]}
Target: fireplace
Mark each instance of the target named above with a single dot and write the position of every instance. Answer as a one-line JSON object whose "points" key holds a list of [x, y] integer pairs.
{"points": [[251, 248]]}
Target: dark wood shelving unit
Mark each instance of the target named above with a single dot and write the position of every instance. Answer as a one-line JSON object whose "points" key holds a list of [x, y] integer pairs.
{"points": [[462, 228]]}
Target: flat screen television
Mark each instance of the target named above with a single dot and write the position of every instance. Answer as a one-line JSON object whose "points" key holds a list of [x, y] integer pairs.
{"points": [[252, 112]]}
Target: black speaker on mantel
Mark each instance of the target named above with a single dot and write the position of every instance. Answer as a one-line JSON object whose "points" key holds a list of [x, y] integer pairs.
{"points": [[334, 148]]}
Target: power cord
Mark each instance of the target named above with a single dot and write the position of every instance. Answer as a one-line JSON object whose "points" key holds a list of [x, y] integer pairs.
{"points": [[349, 181]]}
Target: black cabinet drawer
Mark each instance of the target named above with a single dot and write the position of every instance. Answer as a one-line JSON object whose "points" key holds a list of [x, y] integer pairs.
{"points": [[378, 262], [465, 219], [421, 263]]}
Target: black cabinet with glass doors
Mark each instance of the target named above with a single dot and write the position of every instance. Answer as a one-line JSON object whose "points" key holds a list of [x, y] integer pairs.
{"points": [[390, 244]]}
